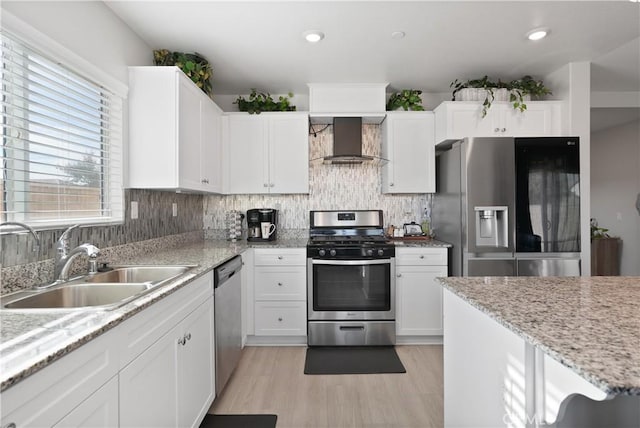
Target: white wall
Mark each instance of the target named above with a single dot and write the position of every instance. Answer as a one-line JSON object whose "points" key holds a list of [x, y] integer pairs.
{"points": [[615, 184], [89, 29]]}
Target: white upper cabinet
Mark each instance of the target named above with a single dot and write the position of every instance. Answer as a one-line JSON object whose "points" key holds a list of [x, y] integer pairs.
{"points": [[460, 119], [267, 153], [174, 132], [408, 143]]}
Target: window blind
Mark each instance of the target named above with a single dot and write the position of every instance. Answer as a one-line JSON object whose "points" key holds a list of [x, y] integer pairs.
{"points": [[61, 142]]}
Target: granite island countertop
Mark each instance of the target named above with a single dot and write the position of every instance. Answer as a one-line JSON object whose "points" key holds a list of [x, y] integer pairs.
{"points": [[32, 339], [588, 324]]}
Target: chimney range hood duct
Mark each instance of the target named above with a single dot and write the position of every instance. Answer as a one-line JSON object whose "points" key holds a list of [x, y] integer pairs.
{"points": [[347, 142]]}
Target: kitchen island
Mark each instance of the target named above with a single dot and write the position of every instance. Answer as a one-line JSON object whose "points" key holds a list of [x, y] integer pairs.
{"points": [[525, 351]]}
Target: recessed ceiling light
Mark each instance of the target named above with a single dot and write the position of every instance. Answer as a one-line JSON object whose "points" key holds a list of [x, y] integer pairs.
{"points": [[313, 36], [538, 33], [398, 35]]}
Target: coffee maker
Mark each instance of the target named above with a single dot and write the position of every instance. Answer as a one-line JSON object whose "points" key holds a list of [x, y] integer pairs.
{"points": [[262, 224]]}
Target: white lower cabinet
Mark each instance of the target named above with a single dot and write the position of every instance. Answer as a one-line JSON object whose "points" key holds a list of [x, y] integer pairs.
{"points": [[171, 384], [281, 318], [280, 292], [156, 369], [99, 410], [69, 391], [418, 294]]}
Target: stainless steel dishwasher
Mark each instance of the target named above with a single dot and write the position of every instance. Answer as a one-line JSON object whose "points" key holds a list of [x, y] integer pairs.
{"points": [[228, 319]]}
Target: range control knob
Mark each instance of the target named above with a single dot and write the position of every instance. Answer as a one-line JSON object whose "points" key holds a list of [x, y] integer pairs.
{"points": [[381, 252], [332, 253], [322, 253], [369, 252]]}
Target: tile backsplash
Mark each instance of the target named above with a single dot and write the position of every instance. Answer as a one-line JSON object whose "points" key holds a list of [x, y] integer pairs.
{"points": [[330, 187], [154, 220]]}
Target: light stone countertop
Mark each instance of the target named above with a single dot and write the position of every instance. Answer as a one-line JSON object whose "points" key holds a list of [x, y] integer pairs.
{"points": [[32, 339], [589, 324]]}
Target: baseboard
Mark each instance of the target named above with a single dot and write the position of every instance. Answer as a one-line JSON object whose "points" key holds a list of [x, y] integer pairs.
{"points": [[418, 340], [276, 341]]}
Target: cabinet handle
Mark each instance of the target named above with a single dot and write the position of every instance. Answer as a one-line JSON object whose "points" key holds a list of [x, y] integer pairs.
{"points": [[271, 185], [279, 284], [9, 425], [496, 130], [280, 319], [188, 336], [265, 185], [181, 341], [398, 275], [279, 257], [503, 130], [390, 184], [421, 256]]}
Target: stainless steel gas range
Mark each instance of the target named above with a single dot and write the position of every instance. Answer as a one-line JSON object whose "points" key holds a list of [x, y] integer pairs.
{"points": [[351, 280]]}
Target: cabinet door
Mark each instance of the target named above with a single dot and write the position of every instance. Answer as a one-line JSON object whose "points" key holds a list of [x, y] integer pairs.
{"points": [[247, 148], [464, 119], [288, 153], [149, 386], [99, 410], [411, 151], [195, 362], [419, 300], [536, 121], [188, 135], [211, 147]]}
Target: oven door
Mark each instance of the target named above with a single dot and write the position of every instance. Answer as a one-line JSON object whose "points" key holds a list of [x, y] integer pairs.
{"points": [[351, 289]]}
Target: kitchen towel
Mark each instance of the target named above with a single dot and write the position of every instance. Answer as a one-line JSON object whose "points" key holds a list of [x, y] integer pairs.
{"points": [[239, 421], [352, 360]]}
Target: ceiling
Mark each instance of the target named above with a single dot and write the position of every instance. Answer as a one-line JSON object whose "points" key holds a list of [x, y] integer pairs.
{"points": [[259, 44]]}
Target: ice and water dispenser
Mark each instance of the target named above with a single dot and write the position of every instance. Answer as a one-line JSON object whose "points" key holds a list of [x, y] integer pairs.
{"points": [[492, 226]]}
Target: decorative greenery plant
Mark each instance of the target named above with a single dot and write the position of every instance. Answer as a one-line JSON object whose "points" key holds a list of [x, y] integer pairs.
{"points": [[525, 86], [194, 65], [518, 89], [598, 232], [261, 101], [407, 99]]}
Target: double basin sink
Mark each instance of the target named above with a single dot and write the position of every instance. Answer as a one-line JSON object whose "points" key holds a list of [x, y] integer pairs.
{"points": [[104, 290]]}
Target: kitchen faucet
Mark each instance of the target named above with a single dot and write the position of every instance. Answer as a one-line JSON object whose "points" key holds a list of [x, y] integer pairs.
{"points": [[28, 229], [64, 256]]}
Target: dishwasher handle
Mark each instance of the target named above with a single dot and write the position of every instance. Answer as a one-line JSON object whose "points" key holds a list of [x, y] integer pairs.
{"points": [[225, 271]]}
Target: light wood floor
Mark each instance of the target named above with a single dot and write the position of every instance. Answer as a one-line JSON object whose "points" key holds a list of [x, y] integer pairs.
{"points": [[271, 380]]}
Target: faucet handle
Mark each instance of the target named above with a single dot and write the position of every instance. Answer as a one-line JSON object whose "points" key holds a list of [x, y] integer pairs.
{"points": [[93, 263]]}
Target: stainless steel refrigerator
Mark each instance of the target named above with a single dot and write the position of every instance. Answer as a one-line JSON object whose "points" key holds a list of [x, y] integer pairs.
{"points": [[509, 206]]}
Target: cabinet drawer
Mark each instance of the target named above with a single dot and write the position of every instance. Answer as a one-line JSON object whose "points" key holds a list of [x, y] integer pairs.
{"points": [[45, 397], [280, 283], [280, 257], [281, 318], [421, 256]]}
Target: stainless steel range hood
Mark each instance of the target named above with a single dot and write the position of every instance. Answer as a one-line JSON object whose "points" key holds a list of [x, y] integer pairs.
{"points": [[347, 142]]}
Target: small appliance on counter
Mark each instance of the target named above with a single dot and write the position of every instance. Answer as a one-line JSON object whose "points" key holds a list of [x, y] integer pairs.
{"points": [[262, 224]]}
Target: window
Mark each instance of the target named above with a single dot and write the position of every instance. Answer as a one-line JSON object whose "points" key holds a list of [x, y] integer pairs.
{"points": [[61, 142]]}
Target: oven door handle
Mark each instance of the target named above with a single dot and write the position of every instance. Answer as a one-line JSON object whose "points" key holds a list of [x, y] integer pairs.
{"points": [[351, 262]]}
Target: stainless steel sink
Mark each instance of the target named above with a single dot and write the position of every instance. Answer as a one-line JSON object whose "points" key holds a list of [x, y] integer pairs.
{"points": [[105, 290], [78, 296], [131, 274]]}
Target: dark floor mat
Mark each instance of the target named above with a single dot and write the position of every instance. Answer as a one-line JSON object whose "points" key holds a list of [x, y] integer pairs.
{"points": [[239, 421], [352, 360]]}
